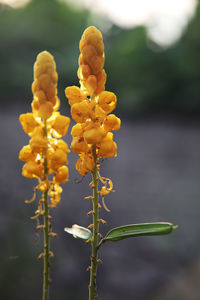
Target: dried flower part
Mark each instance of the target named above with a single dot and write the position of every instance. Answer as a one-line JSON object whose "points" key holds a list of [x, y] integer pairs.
{"points": [[44, 125], [91, 105]]}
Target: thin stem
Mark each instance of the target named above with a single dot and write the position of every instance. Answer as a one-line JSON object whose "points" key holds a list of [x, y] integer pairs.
{"points": [[94, 257], [46, 233]]}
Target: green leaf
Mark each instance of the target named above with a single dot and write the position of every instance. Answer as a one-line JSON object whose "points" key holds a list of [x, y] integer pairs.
{"points": [[79, 232], [142, 229]]}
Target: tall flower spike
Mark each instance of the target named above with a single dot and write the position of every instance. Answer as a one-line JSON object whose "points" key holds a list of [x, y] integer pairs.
{"points": [[91, 108], [91, 105], [46, 154]]}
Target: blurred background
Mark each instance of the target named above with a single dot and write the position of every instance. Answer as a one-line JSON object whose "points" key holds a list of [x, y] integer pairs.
{"points": [[153, 65]]}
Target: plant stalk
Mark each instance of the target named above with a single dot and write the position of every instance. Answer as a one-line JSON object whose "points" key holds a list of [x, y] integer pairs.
{"points": [[46, 232], [94, 257]]}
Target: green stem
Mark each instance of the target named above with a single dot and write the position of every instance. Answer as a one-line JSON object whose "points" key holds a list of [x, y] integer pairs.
{"points": [[46, 249], [94, 257], [46, 233]]}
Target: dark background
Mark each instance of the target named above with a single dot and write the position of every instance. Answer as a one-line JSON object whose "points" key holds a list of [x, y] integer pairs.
{"points": [[156, 174]]}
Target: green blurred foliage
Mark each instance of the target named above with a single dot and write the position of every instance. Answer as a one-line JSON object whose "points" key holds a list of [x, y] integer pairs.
{"points": [[143, 75]]}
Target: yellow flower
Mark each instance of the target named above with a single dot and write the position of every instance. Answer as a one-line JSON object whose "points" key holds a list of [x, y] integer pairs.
{"points": [[38, 142], [74, 94], [94, 135], [107, 101], [28, 122], [78, 145], [63, 146], [60, 125], [77, 130], [111, 122], [81, 111], [26, 153], [58, 159], [107, 148], [33, 169], [61, 175]]}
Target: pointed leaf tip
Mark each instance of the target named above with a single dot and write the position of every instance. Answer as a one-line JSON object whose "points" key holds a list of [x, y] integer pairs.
{"points": [[79, 232]]}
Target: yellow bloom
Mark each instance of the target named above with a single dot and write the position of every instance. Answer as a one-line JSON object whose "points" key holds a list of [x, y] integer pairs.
{"points": [[38, 142], [107, 101], [81, 111], [78, 145], [63, 146], [74, 94], [77, 130], [58, 159], [60, 125], [111, 122], [28, 122], [61, 175], [107, 148], [94, 135], [26, 153], [33, 169]]}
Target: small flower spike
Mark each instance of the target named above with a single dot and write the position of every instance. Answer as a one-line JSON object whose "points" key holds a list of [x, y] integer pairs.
{"points": [[45, 126]]}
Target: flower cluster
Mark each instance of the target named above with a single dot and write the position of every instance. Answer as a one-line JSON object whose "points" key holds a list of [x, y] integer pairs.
{"points": [[91, 107], [46, 153]]}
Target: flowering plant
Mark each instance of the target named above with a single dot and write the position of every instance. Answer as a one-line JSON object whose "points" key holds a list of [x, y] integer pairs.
{"points": [[46, 154], [91, 108]]}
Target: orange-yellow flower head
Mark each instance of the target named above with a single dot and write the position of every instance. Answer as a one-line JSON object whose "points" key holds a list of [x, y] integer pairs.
{"points": [[91, 105], [45, 154]]}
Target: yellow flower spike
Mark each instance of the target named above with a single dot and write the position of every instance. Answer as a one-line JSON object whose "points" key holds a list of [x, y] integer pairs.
{"points": [[45, 155], [92, 139], [111, 122]]}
